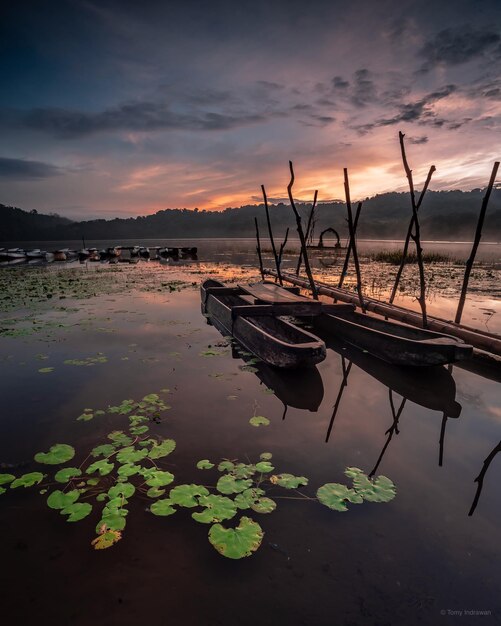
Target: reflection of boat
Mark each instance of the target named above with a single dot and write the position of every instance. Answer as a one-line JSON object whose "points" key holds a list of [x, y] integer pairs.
{"points": [[392, 342], [12, 254], [272, 339], [433, 387], [189, 251], [36, 254]]}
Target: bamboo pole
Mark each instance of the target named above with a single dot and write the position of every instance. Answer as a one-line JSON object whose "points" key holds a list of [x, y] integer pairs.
{"points": [[308, 230], [301, 235], [475, 337], [408, 235], [258, 249], [416, 237], [348, 252], [282, 247], [476, 241], [270, 232], [352, 239]]}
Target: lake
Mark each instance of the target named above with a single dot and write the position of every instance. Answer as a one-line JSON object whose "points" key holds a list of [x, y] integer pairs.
{"points": [[91, 351]]}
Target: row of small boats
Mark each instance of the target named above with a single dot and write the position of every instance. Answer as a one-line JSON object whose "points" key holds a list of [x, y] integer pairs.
{"points": [[19, 255], [269, 321]]}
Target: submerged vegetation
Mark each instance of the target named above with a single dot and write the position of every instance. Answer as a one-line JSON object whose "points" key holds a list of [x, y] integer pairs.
{"points": [[394, 257], [129, 464]]}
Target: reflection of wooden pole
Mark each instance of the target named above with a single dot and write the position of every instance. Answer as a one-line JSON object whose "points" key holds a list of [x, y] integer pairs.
{"points": [[480, 478], [408, 236], [258, 249], [416, 237], [393, 429], [476, 241], [270, 232], [348, 252], [353, 242], [308, 231], [344, 383], [301, 235]]}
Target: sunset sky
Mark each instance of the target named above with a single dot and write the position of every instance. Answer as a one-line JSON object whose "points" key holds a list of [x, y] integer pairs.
{"points": [[114, 108]]}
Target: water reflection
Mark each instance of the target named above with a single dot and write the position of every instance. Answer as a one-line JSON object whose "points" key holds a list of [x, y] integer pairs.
{"points": [[480, 478]]}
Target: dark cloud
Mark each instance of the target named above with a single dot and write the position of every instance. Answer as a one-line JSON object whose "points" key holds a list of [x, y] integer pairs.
{"points": [[318, 120], [21, 169], [364, 89], [338, 82], [454, 46], [418, 140]]}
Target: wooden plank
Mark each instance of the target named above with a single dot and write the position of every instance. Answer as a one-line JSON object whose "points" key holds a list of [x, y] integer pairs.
{"points": [[274, 294]]}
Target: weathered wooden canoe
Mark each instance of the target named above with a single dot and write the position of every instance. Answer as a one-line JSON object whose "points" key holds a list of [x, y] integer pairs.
{"points": [[395, 343], [272, 339]]}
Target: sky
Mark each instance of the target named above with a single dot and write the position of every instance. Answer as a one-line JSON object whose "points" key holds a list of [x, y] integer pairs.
{"points": [[122, 108]]}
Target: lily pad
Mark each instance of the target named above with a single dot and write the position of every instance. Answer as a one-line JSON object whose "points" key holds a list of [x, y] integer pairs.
{"points": [[59, 453], [162, 449], [131, 455], [139, 430], [239, 542], [204, 464], [27, 480], [6, 478], [106, 539], [160, 479], [264, 505], [125, 490], [129, 469], [259, 420], [103, 450], [381, 489], [155, 492], [264, 467], [187, 495], [229, 484], [226, 466], [46, 370], [77, 511], [103, 467], [288, 481], [119, 438], [243, 470], [163, 508], [64, 475], [265, 456], [217, 509], [247, 498], [60, 500], [335, 496]]}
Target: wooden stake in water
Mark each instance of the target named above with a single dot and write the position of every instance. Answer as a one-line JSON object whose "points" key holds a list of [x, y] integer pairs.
{"points": [[348, 252], [308, 231], [476, 241], [270, 232], [353, 242], [258, 249], [282, 247], [301, 235]]}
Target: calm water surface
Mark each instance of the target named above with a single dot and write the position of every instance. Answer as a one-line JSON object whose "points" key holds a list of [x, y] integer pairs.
{"points": [[404, 562]]}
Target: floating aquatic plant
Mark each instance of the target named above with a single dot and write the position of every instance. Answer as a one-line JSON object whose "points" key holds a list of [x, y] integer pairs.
{"points": [[259, 420]]}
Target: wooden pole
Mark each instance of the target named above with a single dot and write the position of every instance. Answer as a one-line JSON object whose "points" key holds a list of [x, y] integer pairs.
{"points": [[308, 230], [258, 249], [480, 478], [416, 237], [348, 252], [282, 247], [270, 232], [476, 241], [408, 236], [352, 239], [301, 235], [344, 383]]}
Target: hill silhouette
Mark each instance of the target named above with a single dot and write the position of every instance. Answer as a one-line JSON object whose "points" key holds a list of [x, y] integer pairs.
{"points": [[444, 215]]}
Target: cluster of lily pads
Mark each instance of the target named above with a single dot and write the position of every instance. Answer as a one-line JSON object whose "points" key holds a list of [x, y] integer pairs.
{"points": [[129, 462]]}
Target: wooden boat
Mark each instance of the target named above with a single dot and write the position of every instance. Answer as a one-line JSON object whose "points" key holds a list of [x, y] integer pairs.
{"points": [[189, 251], [272, 339], [13, 254], [392, 342]]}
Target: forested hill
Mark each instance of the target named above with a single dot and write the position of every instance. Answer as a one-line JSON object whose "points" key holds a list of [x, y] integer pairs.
{"points": [[444, 215]]}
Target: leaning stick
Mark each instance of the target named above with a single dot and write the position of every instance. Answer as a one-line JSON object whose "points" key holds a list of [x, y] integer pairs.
{"points": [[480, 478], [478, 235], [348, 252], [352, 239], [416, 237], [408, 235], [308, 231], [301, 235], [282, 247], [270, 232], [258, 249]]}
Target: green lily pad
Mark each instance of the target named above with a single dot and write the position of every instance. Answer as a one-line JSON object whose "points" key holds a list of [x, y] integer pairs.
{"points": [[139, 430], [160, 479], [155, 492], [248, 497], [163, 507], [239, 542], [106, 538], [119, 438], [265, 456], [225, 466], [217, 509], [335, 496], [259, 420], [381, 489], [264, 505], [229, 484], [204, 464], [59, 453], [103, 467], [289, 481], [162, 449], [129, 469], [60, 500], [85, 417], [64, 475], [27, 480], [264, 467], [112, 519], [46, 370], [6, 478], [243, 470], [77, 511], [103, 450], [131, 455], [187, 495], [125, 490]]}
